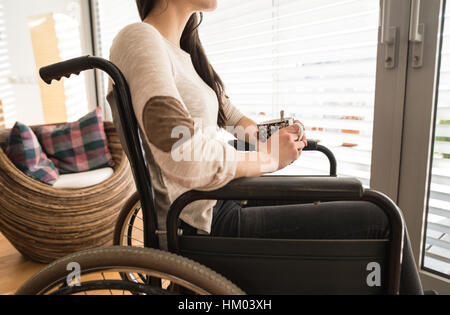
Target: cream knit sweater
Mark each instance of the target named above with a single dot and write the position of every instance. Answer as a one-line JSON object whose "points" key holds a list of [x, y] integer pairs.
{"points": [[178, 113]]}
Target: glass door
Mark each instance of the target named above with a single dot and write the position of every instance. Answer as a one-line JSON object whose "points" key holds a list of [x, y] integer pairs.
{"points": [[109, 17], [315, 60], [424, 189], [437, 236], [319, 61]]}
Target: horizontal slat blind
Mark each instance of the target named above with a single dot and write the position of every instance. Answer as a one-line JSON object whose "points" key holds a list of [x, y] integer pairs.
{"points": [[437, 255], [110, 17], [314, 59], [69, 45], [7, 101]]}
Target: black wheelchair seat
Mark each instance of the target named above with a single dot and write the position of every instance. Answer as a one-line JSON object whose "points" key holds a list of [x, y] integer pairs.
{"points": [[268, 266]]}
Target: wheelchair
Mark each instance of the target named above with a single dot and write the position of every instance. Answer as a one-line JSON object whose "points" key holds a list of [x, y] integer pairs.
{"points": [[202, 264]]}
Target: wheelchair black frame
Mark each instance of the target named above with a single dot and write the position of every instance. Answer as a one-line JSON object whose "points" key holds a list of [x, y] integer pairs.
{"points": [[314, 188]]}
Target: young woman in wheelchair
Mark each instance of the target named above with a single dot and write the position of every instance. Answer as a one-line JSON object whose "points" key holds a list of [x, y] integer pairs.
{"points": [[180, 102]]}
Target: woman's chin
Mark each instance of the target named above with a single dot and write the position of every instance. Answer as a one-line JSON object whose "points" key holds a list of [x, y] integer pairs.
{"points": [[205, 5]]}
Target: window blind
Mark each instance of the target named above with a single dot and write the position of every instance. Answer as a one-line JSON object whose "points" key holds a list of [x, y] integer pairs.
{"points": [[437, 247], [316, 60], [110, 16], [7, 106], [68, 34]]}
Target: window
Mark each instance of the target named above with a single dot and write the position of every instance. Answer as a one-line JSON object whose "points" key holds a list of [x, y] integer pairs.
{"points": [[316, 60], [424, 181], [306, 58], [35, 34], [110, 17], [437, 247]]}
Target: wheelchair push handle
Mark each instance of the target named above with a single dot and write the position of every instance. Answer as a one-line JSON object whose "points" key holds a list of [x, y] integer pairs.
{"points": [[66, 69], [314, 145]]}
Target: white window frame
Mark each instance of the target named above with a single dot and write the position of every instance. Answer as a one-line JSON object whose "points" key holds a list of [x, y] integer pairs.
{"points": [[390, 98]]}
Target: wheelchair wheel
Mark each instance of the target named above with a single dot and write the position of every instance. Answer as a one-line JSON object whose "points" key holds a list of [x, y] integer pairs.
{"points": [[129, 230], [99, 273]]}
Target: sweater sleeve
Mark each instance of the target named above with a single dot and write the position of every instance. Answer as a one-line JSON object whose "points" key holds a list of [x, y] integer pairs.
{"points": [[233, 114], [186, 154]]}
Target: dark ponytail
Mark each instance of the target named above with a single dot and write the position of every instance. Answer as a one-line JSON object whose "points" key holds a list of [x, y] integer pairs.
{"points": [[190, 42]]}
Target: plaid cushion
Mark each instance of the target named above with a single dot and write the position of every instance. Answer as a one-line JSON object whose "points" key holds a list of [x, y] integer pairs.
{"points": [[77, 147], [24, 150]]}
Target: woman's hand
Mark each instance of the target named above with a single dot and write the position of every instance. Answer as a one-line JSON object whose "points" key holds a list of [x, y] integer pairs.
{"points": [[282, 149], [303, 139], [285, 146]]}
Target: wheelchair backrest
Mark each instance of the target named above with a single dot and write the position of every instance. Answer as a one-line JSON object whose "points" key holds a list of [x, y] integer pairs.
{"points": [[130, 137]]}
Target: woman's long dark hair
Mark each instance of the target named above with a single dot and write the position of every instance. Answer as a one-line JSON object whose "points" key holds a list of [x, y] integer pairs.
{"points": [[190, 42]]}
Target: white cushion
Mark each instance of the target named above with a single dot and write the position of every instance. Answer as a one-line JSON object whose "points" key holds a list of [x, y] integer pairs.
{"points": [[83, 180]]}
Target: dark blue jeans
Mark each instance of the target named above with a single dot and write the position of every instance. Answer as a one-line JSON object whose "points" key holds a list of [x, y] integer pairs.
{"points": [[331, 221]]}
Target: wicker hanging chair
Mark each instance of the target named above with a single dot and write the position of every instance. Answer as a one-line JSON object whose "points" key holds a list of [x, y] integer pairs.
{"points": [[44, 223]]}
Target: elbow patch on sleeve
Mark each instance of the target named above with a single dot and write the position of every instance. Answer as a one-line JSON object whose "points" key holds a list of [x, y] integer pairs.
{"points": [[161, 116]]}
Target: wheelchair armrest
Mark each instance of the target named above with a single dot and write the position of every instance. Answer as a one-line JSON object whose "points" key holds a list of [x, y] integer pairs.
{"points": [[308, 189], [285, 188]]}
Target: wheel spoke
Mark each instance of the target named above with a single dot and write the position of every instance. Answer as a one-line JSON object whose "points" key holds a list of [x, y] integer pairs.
{"points": [[136, 228], [134, 239]]}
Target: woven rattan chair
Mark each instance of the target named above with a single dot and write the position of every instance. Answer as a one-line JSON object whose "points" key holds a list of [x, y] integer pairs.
{"points": [[45, 223]]}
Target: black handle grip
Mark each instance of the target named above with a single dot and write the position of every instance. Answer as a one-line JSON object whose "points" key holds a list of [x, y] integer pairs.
{"points": [[65, 69], [312, 145]]}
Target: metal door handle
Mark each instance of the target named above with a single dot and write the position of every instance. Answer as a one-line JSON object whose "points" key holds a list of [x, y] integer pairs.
{"points": [[388, 35], [416, 34], [414, 30]]}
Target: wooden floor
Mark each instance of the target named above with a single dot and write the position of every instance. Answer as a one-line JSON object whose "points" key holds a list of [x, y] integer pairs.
{"points": [[14, 269]]}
